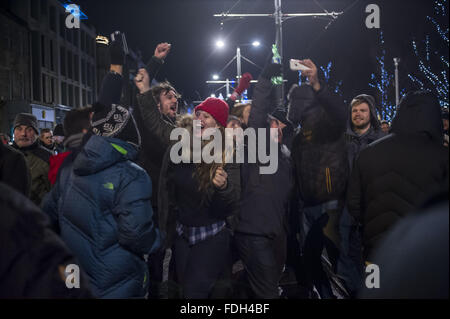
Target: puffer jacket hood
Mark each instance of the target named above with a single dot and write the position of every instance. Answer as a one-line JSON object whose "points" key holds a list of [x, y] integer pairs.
{"points": [[419, 113], [102, 152], [374, 122]]}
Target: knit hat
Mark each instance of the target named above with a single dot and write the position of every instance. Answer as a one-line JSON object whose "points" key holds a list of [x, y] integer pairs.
{"points": [[216, 107], [59, 130], [115, 121], [280, 114], [26, 119]]}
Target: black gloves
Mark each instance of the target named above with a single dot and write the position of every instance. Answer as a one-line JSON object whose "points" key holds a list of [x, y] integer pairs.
{"points": [[116, 53], [271, 70]]}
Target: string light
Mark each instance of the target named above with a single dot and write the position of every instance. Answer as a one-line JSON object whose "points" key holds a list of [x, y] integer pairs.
{"points": [[429, 79], [382, 84], [327, 74]]}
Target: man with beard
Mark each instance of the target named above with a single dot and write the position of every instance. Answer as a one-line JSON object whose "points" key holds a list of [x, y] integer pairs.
{"points": [[166, 98], [36, 156], [363, 128], [393, 176]]}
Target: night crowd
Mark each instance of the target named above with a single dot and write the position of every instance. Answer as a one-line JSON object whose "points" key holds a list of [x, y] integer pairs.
{"points": [[100, 191]]}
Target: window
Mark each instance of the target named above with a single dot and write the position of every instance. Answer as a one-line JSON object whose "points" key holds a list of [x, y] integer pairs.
{"points": [[62, 25], [35, 42], [44, 6], [77, 96], [62, 56], [88, 44], [69, 35], [52, 18], [63, 93], [52, 56], [83, 41], [18, 86], [88, 74], [34, 9], [76, 70], [75, 37], [83, 71], [5, 84], [43, 56], [70, 87], [69, 65], [44, 88], [84, 98], [52, 90]]}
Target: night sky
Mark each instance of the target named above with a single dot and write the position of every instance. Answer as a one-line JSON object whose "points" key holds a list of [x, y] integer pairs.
{"points": [[190, 27]]}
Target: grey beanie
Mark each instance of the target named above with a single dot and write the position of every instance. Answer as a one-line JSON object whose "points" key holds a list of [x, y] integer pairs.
{"points": [[26, 119]]}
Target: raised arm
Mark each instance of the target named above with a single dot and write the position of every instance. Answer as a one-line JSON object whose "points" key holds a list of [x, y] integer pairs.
{"points": [[262, 103], [331, 102]]}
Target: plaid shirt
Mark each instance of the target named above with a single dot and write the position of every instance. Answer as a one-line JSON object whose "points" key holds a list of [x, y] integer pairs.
{"points": [[197, 234]]}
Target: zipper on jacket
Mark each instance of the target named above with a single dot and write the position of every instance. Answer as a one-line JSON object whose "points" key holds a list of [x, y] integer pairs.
{"points": [[328, 180]]}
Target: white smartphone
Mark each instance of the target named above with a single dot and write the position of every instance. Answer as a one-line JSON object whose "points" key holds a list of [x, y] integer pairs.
{"points": [[297, 66]]}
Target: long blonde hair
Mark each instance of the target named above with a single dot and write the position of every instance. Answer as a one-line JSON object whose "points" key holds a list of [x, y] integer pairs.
{"points": [[204, 172]]}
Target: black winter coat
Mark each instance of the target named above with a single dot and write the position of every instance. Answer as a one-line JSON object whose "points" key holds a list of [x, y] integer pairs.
{"points": [[395, 174], [212, 205], [14, 170], [265, 197], [152, 149], [33, 259], [319, 149]]}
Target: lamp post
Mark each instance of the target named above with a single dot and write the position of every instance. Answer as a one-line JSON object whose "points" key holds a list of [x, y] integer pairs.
{"points": [[279, 18], [238, 57]]}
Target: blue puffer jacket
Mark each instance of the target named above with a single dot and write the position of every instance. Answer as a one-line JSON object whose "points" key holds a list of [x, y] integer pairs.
{"points": [[102, 205]]}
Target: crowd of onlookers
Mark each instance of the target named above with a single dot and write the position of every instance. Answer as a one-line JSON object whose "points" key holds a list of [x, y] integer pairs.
{"points": [[101, 191]]}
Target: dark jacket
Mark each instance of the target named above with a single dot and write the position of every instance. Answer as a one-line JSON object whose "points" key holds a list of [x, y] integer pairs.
{"points": [[14, 170], [264, 199], [355, 142], [395, 174], [180, 200], [319, 149], [33, 259], [416, 250], [152, 149], [38, 159], [102, 205]]}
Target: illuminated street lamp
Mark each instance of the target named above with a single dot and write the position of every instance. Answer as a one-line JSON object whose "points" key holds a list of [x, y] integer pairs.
{"points": [[220, 43]]}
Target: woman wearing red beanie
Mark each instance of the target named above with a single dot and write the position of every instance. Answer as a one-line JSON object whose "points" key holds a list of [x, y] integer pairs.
{"points": [[195, 201]]}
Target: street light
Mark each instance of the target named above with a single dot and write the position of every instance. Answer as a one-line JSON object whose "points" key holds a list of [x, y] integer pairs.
{"points": [[238, 58], [220, 43]]}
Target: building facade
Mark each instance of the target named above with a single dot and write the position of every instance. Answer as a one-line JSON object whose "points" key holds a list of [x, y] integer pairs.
{"points": [[55, 66]]}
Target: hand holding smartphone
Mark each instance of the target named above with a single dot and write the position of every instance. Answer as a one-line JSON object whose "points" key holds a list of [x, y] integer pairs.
{"points": [[297, 66]]}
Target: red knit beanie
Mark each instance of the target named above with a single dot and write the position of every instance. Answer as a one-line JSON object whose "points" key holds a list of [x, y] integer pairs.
{"points": [[217, 108]]}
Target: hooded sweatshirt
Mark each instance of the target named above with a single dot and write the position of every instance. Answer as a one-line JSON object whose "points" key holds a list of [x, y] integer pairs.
{"points": [[355, 142], [394, 175]]}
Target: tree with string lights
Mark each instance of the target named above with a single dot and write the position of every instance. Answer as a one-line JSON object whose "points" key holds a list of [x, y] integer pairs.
{"points": [[336, 87], [432, 59], [383, 81]]}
